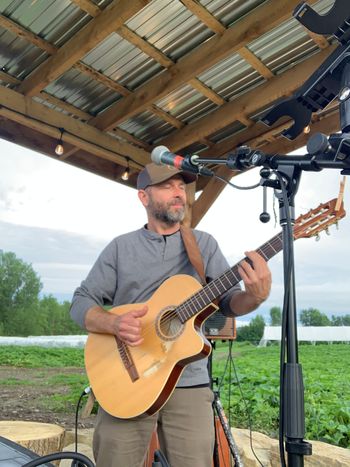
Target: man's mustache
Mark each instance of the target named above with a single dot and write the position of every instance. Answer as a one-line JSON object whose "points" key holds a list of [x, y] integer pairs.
{"points": [[177, 201]]}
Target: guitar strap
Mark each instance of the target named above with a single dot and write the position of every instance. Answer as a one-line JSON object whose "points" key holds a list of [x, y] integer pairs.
{"points": [[193, 252]]}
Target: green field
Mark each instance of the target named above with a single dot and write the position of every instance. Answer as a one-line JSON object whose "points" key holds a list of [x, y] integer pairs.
{"points": [[326, 374], [326, 378]]}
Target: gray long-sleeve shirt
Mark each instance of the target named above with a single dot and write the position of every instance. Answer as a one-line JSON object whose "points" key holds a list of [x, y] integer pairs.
{"points": [[134, 265]]}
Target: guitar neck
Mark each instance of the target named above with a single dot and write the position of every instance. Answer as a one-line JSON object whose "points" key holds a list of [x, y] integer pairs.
{"points": [[223, 283]]}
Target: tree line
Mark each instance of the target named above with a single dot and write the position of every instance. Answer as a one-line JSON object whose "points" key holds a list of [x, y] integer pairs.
{"points": [[24, 313], [308, 317]]}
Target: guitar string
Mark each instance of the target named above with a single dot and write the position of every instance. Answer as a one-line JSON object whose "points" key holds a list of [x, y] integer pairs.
{"points": [[190, 302], [175, 312]]}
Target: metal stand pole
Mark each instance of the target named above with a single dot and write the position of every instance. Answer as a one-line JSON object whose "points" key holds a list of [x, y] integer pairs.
{"points": [[292, 389], [219, 410]]}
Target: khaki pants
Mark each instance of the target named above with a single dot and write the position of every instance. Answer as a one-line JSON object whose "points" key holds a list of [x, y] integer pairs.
{"points": [[185, 430]]}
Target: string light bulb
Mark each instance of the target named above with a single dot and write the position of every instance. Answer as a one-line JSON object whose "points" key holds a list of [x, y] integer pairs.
{"points": [[307, 129], [126, 173], [59, 149]]}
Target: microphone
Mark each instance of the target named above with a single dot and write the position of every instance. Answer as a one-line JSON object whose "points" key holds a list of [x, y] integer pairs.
{"points": [[162, 156]]}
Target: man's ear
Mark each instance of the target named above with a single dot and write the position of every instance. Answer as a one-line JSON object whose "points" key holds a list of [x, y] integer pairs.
{"points": [[143, 197]]}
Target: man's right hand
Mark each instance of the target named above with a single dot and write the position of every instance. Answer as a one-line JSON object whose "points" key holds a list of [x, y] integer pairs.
{"points": [[128, 326]]}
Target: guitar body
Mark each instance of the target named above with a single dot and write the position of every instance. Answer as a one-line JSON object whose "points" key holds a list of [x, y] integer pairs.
{"points": [[131, 381]]}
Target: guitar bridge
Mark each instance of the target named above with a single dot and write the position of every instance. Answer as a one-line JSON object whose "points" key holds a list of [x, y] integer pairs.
{"points": [[127, 359]]}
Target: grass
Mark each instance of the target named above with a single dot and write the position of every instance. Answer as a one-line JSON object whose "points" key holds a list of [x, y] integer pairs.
{"points": [[326, 374], [326, 380]]}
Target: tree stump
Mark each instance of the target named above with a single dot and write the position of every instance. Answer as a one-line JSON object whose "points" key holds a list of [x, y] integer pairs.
{"points": [[41, 438]]}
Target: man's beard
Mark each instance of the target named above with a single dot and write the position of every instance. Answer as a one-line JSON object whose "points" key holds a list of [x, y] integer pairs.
{"points": [[165, 214]]}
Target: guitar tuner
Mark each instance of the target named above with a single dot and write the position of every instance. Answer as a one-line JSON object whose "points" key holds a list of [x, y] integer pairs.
{"points": [[317, 238], [327, 231]]}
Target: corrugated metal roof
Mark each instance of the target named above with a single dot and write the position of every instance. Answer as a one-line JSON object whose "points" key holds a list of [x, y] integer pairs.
{"points": [[83, 92], [186, 104], [228, 11], [122, 62], [169, 27], [53, 20], [147, 127], [231, 77], [17, 56]]}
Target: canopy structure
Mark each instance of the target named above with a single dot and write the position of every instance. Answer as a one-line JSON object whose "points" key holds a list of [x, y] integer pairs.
{"points": [[115, 78]]}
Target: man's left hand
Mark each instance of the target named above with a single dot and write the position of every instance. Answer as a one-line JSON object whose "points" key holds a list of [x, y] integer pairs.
{"points": [[257, 279]]}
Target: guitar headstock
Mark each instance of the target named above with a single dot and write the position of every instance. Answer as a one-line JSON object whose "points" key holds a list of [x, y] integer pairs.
{"points": [[318, 219]]}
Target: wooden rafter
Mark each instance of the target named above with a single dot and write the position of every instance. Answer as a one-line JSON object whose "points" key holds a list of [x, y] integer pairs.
{"points": [[214, 187], [247, 104], [26, 111], [29, 36], [204, 15], [88, 6], [319, 40], [110, 19], [255, 62], [254, 24]]}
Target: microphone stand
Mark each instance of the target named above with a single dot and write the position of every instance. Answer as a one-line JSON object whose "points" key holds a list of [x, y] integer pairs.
{"points": [[288, 170]]}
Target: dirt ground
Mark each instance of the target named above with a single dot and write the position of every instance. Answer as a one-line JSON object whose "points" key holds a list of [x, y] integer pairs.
{"points": [[25, 397]]}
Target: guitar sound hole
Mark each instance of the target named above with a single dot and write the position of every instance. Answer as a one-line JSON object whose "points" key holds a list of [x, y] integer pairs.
{"points": [[169, 327]]}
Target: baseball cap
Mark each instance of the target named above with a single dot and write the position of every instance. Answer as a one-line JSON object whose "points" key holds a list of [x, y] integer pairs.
{"points": [[154, 173]]}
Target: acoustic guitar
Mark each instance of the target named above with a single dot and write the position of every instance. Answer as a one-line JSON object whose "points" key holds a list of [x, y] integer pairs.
{"points": [[131, 381]]}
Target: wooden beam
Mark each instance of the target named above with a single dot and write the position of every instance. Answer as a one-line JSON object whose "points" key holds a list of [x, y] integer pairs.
{"points": [[8, 78], [43, 144], [190, 195], [204, 15], [65, 106], [88, 6], [259, 21], [101, 78], [255, 62], [129, 35], [321, 41], [167, 117], [110, 19], [29, 36], [246, 120], [326, 124], [24, 110], [246, 104], [206, 91], [132, 139]]}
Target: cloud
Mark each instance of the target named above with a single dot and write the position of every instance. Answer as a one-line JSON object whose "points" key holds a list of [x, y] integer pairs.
{"points": [[43, 201], [61, 259]]}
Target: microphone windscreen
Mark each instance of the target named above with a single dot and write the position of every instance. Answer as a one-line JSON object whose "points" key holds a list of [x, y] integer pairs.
{"points": [[156, 154]]}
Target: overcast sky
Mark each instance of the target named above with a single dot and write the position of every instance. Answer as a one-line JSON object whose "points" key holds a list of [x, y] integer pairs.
{"points": [[58, 218]]}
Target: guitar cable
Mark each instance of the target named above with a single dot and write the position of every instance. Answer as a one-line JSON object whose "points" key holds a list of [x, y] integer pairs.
{"points": [[79, 460], [86, 391], [231, 364]]}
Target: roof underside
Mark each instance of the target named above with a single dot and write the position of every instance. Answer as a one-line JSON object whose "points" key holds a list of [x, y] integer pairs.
{"points": [[120, 77]]}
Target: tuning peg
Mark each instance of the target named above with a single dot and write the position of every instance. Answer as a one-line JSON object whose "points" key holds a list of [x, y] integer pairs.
{"points": [[318, 238], [327, 231]]}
